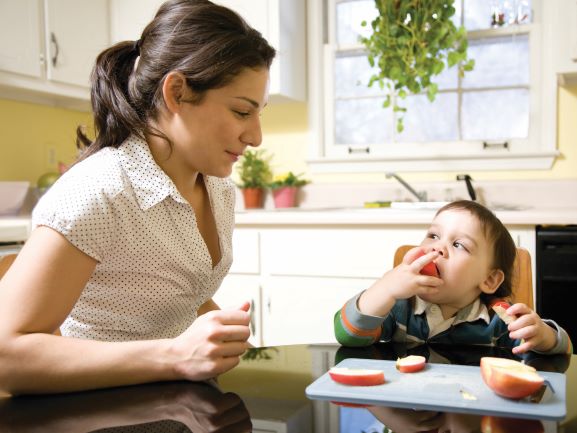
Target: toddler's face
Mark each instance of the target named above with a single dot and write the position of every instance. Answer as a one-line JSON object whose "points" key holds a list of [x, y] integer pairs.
{"points": [[465, 257]]}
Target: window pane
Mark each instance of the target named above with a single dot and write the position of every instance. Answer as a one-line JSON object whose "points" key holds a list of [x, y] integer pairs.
{"points": [[499, 62], [448, 79], [362, 121], [484, 14], [501, 114], [350, 15], [352, 74], [430, 121]]}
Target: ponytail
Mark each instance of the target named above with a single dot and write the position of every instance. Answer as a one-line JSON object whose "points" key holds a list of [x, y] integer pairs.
{"points": [[115, 118]]}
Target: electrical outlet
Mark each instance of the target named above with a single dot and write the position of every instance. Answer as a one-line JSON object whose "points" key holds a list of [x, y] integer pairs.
{"points": [[51, 156]]}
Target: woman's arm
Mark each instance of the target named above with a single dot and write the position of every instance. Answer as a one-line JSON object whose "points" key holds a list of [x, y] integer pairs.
{"points": [[38, 292]]}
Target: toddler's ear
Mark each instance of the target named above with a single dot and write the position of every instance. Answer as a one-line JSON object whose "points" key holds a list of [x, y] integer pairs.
{"points": [[493, 281]]}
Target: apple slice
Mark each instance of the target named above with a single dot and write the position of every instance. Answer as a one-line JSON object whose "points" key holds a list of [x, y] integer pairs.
{"points": [[430, 268], [411, 363], [510, 378], [501, 309], [357, 376]]}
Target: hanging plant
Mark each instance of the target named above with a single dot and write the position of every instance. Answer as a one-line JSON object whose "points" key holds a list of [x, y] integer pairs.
{"points": [[412, 40]]}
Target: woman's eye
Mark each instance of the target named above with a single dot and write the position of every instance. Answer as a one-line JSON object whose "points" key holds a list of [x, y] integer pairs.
{"points": [[242, 113]]}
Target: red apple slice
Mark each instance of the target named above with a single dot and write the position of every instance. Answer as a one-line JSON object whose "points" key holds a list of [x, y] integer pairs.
{"points": [[430, 268], [501, 308], [510, 378], [357, 376], [411, 363]]}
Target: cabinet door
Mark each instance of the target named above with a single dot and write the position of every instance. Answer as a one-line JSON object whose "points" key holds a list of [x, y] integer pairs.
{"points": [[20, 37], [301, 310], [236, 289], [129, 17], [76, 32]]}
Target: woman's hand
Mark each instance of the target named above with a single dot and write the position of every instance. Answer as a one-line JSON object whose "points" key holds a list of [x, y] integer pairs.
{"points": [[213, 344], [529, 327]]}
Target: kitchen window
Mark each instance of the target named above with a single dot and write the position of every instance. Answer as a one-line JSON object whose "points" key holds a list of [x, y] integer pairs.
{"points": [[497, 116]]}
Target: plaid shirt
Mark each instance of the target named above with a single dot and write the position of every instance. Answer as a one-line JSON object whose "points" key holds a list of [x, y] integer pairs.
{"points": [[414, 320]]}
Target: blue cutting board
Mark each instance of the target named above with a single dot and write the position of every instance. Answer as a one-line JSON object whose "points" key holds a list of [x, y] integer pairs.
{"points": [[441, 387]]}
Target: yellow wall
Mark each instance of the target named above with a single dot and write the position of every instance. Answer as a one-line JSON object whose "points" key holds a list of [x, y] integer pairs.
{"points": [[28, 132], [289, 146]]}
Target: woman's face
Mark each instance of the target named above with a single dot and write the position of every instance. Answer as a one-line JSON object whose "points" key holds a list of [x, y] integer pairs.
{"points": [[210, 136], [466, 256]]}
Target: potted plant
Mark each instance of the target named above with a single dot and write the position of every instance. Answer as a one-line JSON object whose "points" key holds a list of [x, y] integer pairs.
{"points": [[410, 43], [285, 188], [255, 173]]}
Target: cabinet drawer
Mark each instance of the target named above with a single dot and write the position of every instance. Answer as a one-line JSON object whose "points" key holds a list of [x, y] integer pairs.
{"points": [[245, 252], [358, 252]]}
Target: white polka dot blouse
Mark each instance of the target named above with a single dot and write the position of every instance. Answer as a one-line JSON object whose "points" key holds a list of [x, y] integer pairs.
{"points": [[154, 269]]}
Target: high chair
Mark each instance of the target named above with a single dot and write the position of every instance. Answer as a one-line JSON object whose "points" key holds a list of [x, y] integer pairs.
{"points": [[522, 284]]}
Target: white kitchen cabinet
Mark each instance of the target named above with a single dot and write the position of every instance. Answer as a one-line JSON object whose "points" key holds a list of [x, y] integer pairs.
{"points": [[281, 22], [283, 25], [236, 289], [76, 32], [20, 37], [129, 17], [48, 49], [299, 310]]}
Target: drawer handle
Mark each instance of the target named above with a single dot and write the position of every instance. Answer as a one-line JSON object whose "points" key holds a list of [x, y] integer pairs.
{"points": [[252, 325], [56, 48]]}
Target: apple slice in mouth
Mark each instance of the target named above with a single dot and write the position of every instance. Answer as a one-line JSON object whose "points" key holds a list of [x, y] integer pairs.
{"points": [[510, 378], [411, 363], [357, 376]]}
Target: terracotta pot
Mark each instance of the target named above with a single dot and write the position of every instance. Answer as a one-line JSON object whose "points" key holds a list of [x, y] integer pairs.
{"points": [[285, 196], [253, 198]]}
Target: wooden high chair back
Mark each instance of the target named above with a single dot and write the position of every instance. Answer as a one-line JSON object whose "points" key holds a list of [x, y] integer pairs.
{"points": [[522, 284]]}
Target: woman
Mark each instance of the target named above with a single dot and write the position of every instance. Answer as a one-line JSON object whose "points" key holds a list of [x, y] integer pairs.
{"points": [[131, 243]]}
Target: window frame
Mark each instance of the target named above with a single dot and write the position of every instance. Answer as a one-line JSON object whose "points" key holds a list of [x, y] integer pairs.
{"points": [[537, 152]]}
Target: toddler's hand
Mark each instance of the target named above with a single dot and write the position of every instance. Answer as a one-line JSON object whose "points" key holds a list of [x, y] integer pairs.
{"points": [[529, 327], [402, 282]]}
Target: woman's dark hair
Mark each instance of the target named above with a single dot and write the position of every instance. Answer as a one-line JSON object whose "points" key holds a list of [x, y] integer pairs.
{"points": [[207, 43], [504, 249]]}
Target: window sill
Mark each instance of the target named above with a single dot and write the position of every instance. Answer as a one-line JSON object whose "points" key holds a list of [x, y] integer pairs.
{"points": [[422, 163]]}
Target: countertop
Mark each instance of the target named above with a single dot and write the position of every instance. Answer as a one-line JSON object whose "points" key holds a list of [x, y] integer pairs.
{"points": [[17, 228], [389, 216], [266, 390]]}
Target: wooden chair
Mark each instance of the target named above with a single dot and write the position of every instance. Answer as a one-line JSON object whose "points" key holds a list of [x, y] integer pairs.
{"points": [[522, 278], [5, 262]]}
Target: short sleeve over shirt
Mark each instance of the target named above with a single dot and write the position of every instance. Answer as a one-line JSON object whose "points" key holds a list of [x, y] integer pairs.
{"points": [[154, 269]]}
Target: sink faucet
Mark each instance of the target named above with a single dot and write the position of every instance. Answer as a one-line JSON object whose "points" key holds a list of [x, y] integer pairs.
{"points": [[421, 195]]}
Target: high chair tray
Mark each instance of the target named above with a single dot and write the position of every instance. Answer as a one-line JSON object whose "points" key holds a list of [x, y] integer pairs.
{"points": [[442, 387]]}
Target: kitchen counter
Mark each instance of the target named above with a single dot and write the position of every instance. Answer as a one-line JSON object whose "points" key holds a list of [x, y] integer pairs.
{"points": [[16, 229], [267, 391], [389, 216]]}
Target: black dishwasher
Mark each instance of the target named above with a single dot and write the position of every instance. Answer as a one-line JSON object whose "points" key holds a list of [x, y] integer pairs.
{"points": [[557, 276]]}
